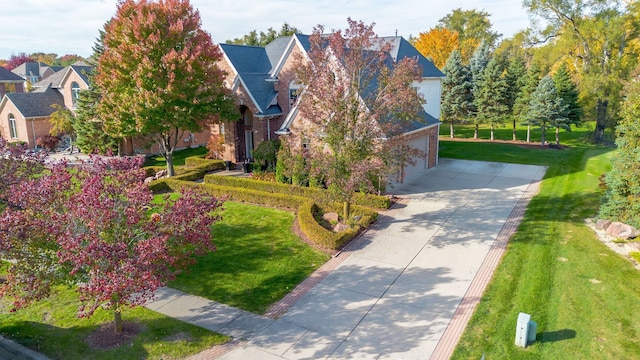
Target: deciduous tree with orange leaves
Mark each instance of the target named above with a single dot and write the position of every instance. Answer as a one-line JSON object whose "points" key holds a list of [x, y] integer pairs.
{"points": [[437, 44]]}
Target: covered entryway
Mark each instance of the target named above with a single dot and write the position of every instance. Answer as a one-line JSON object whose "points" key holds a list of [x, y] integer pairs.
{"points": [[246, 142]]}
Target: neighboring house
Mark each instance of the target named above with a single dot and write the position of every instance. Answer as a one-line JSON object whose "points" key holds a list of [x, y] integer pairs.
{"points": [[33, 72], [10, 82], [25, 116], [262, 79]]}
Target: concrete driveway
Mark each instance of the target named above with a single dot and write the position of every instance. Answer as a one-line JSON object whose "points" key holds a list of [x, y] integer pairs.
{"points": [[405, 288]]}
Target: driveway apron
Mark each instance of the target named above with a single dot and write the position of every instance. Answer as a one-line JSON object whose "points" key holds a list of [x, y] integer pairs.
{"points": [[398, 288]]}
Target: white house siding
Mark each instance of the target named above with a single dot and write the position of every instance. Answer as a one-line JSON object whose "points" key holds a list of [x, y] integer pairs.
{"points": [[430, 89]]}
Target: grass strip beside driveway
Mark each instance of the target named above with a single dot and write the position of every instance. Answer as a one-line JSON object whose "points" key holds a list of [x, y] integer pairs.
{"points": [[583, 296]]}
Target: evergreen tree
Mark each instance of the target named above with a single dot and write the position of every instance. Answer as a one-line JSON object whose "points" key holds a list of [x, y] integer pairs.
{"points": [[492, 95], [516, 77], [546, 109], [622, 198], [478, 62], [90, 134], [457, 101], [568, 92], [521, 105]]}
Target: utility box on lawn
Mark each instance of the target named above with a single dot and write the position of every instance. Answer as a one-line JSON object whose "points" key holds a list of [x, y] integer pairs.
{"points": [[525, 330]]}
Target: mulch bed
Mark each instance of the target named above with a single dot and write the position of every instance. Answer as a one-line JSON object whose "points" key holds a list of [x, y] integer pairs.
{"points": [[105, 337]]}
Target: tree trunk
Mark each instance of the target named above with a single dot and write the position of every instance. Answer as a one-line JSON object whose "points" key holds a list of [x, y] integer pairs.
{"points": [[346, 211], [492, 133], [557, 136], [117, 320], [601, 120], [528, 133], [475, 132], [514, 130], [170, 169], [451, 129], [544, 130], [121, 147]]}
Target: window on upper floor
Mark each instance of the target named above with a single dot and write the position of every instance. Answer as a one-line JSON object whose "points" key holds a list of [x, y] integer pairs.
{"points": [[294, 92], [9, 88], [13, 129], [75, 92], [34, 79]]}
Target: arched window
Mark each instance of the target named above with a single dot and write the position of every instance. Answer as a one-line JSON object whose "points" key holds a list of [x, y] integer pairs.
{"points": [[75, 92], [13, 130], [247, 116]]}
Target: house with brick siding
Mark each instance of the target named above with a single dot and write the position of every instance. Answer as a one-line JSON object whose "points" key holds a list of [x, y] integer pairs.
{"points": [[25, 116], [262, 80]]}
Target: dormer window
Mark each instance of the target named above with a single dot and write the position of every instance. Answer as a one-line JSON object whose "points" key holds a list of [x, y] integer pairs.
{"points": [[75, 92]]}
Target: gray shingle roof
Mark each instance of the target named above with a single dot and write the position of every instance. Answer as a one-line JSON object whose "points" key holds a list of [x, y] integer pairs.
{"points": [[83, 71], [401, 48], [8, 76], [247, 59], [253, 66], [276, 48], [36, 104], [27, 69], [55, 80]]}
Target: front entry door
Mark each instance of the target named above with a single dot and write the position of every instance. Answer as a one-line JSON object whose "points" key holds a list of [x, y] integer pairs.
{"points": [[248, 141]]}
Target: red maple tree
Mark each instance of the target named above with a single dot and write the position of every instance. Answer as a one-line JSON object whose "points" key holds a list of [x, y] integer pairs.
{"points": [[96, 227]]}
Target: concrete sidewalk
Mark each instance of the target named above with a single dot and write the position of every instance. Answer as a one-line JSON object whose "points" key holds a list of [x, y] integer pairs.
{"points": [[404, 289]]}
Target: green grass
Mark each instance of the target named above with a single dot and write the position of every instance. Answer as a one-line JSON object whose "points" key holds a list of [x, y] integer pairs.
{"points": [[257, 262], [52, 327], [578, 135], [583, 296], [178, 157]]}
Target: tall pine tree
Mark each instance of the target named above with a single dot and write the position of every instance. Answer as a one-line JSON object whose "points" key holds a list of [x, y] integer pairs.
{"points": [[521, 105], [479, 61], [516, 77], [546, 109], [568, 92], [492, 95], [90, 134], [457, 101]]}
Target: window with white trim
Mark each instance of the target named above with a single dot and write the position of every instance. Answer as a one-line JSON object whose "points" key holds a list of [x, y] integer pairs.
{"points": [[75, 92], [13, 129]]}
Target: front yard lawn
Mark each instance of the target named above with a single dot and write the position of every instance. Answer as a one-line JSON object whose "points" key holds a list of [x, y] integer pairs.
{"points": [[257, 262], [178, 157], [51, 327]]}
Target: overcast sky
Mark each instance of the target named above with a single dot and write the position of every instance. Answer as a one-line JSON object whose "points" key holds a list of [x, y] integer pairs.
{"points": [[71, 26]]}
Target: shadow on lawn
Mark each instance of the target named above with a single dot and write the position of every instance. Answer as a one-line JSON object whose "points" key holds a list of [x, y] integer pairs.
{"points": [[558, 335]]}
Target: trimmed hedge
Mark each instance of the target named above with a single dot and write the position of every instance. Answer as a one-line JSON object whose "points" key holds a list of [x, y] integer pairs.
{"points": [[194, 169], [319, 195], [205, 164], [305, 208]]}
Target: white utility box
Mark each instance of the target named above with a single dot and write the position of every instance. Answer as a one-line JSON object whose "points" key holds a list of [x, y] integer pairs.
{"points": [[522, 330]]}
